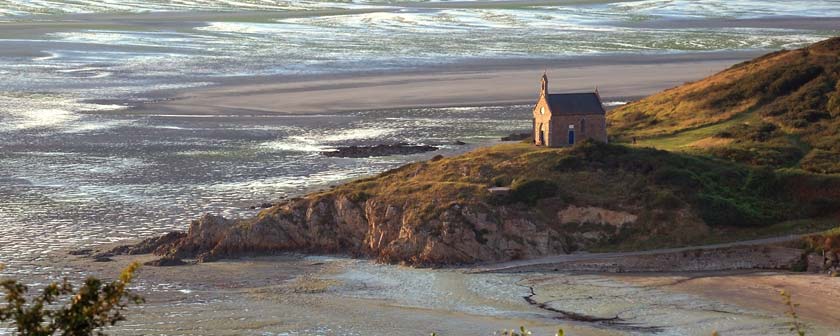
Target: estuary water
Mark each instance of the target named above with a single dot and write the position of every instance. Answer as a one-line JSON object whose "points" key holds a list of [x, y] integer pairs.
{"points": [[79, 168]]}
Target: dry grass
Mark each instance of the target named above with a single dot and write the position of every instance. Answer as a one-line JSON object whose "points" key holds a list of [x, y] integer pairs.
{"points": [[798, 91]]}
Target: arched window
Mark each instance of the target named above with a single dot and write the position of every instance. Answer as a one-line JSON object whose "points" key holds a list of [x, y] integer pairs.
{"points": [[582, 126]]}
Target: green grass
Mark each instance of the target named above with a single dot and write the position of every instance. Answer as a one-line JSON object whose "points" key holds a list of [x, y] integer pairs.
{"points": [[680, 141], [798, 91], [680, 198], [825, 226]]}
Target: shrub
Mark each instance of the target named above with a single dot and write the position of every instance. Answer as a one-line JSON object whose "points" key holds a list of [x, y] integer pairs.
{"points": [[793, 77], [568, 163], [820, 161], [833, 105], [501, 181], [676, 177], [358, 196], [717, 210], [665, 200], [531, 191], [758, 132], [61, 310], [769, 154], [762, 181]]}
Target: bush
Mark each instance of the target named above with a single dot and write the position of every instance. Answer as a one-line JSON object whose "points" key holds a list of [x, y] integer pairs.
{"points": [[759, 132], [61, 310], [568, 163], [762, 181], [769, 154], [716, 210], [665, 200], [531, 191], [833, 105], [792, 78], [676, 177], [501, 181], [358, 196], [820, 161]]}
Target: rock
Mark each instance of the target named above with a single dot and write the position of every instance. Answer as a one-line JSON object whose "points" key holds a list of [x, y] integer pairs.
{"points": [[831, 258], [379, 150], [396, 233], [102, 259], [264, 205], [516, 137], [146, 246], [81, 252], [595, 215], [459, 143], [814, 263], [165, 261]]}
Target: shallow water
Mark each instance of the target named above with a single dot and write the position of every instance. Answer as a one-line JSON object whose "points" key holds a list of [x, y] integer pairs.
{"points": [[69, 178], [56, 54], [100, 178]]}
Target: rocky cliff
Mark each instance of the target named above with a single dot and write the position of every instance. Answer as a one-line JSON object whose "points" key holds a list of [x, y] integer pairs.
{"points": [[750, 119], [396, 233], [441, 212]]}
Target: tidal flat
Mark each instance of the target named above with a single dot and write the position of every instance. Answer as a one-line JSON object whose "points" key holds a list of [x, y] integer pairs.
{"points": [[325, 295]]}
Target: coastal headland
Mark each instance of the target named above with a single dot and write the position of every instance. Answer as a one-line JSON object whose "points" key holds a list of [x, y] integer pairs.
{"points": [[576, 293]]}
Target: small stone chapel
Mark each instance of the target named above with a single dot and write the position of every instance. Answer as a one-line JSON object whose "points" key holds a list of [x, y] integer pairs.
{"points": [[562, 119]]}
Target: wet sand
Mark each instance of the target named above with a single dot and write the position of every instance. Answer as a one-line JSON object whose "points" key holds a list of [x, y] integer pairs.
{"points": [[817, 295], [478, 83], [299, 295]]}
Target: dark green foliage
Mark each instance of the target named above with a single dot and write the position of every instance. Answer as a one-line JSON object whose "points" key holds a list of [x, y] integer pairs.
{"points": [[664, 200], [791, 97], [762, 181], [791, 78], [717, 210], [822, 161], [722, 193], [833, 104], [568, 163], [758, 132], [678, 177], [775, 155], [358, 196], [59, 310], [531, 191], [801, 265], [501, 181]]}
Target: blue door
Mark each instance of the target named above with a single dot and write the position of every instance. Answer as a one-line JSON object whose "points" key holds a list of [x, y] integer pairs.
{"points": [[571, 137]]}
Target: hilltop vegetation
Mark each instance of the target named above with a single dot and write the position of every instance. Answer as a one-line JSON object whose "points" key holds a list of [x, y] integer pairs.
{"points": [[591, 196], [779, 110], [735, 144]]}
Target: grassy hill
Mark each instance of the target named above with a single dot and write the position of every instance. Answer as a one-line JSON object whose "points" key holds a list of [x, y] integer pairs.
{"points": [[677, 198], [779, 110], [718, 160], [592, 196]]}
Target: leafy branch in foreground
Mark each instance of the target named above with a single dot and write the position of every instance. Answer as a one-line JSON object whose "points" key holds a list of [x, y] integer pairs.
{"points": [[59, 309]]}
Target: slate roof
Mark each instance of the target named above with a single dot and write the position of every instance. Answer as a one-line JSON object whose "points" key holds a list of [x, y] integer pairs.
{"points": [[575, 103]]}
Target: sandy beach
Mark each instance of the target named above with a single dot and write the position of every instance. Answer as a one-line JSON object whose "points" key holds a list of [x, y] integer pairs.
{"points": [[315, 295], [617, 77], [123, 121]]}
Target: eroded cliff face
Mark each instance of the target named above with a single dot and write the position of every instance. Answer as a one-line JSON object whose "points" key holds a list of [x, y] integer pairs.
{"points": [[399, 233]]}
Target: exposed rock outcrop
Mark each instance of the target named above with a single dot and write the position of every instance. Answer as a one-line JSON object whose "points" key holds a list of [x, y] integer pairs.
{"points": [[397, 233], [561, 200], [379, 150]]}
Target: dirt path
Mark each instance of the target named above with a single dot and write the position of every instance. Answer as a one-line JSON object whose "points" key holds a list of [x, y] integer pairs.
{"points": [[586, 256]]}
